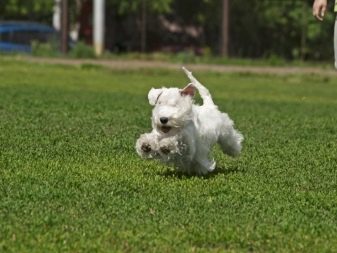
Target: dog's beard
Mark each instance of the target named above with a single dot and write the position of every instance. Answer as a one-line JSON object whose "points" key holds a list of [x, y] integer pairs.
{"points": [[165, 129]]}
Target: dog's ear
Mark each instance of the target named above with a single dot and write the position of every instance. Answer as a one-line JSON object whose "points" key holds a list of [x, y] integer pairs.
{"points": [[154, 95], [189, 90]]}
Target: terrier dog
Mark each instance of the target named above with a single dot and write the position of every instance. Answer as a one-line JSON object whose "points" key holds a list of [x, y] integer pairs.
{"points": [[184, 133]]}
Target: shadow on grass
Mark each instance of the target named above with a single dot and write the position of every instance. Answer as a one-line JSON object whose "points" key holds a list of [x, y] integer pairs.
{"points": [[170, 173]]}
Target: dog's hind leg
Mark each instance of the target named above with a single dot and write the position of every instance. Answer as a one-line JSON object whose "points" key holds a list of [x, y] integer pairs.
{"points": [[230, 142], [203, 91], [203, 161], [204, 166]]}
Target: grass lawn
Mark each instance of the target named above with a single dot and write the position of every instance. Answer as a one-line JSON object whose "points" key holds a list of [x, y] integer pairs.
{"points": [[70, 180]]}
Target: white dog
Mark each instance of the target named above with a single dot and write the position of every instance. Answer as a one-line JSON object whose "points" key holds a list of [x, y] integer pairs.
{"points": [[184, 133]]}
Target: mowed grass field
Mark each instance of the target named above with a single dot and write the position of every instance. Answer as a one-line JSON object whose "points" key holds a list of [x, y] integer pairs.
{"points": [[70, 180]]}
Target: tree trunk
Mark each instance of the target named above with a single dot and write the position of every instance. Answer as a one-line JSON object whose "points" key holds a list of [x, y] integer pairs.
{"points": [[64, 26], [143, 27], [99, 26], [224, 29]]}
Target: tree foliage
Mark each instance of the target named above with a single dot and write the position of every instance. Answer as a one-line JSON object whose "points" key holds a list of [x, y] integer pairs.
{"points": [[279, 28], [23, 9], [258, 28], [127, 6]]}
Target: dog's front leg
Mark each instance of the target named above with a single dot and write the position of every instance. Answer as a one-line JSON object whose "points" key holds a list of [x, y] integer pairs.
{"points": [[147, 145]]}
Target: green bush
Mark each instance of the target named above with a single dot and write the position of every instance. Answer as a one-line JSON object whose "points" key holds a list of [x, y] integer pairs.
{"points": [[82, 50], [48, 49]]}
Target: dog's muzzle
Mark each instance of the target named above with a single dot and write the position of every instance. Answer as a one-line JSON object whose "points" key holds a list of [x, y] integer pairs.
{"points": [[163, 127]]}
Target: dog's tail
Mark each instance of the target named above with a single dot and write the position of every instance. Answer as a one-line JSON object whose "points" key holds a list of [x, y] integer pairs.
{"points": [[203, 91]]}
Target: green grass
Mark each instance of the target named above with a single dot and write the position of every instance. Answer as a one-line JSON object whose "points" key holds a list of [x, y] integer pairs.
{"points": [[70, 180], [189, 57], [82, 51]]}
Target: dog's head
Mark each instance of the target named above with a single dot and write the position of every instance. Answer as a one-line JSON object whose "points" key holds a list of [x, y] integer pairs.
{"points": [[172, 107]]}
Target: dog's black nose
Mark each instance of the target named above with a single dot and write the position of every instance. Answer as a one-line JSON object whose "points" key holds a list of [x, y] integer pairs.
{"points": [[163, 120]]}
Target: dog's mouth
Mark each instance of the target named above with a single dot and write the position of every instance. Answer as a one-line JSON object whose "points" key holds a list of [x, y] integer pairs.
{"points": [[165, 129]]}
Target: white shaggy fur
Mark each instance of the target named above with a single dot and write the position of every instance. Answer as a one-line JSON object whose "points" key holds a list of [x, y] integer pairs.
{"points": [[184, 133]]}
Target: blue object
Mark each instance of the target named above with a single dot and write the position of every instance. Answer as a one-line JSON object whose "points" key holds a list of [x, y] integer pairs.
{"points": [[18, 36]]}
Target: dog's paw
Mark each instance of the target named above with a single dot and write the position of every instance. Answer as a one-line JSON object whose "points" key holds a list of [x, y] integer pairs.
{"points": [[169, 146], [146, 147], [165, 150]]}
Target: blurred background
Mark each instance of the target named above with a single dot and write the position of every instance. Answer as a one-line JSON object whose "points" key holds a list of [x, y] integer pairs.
{"points": [[255, 29]]}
